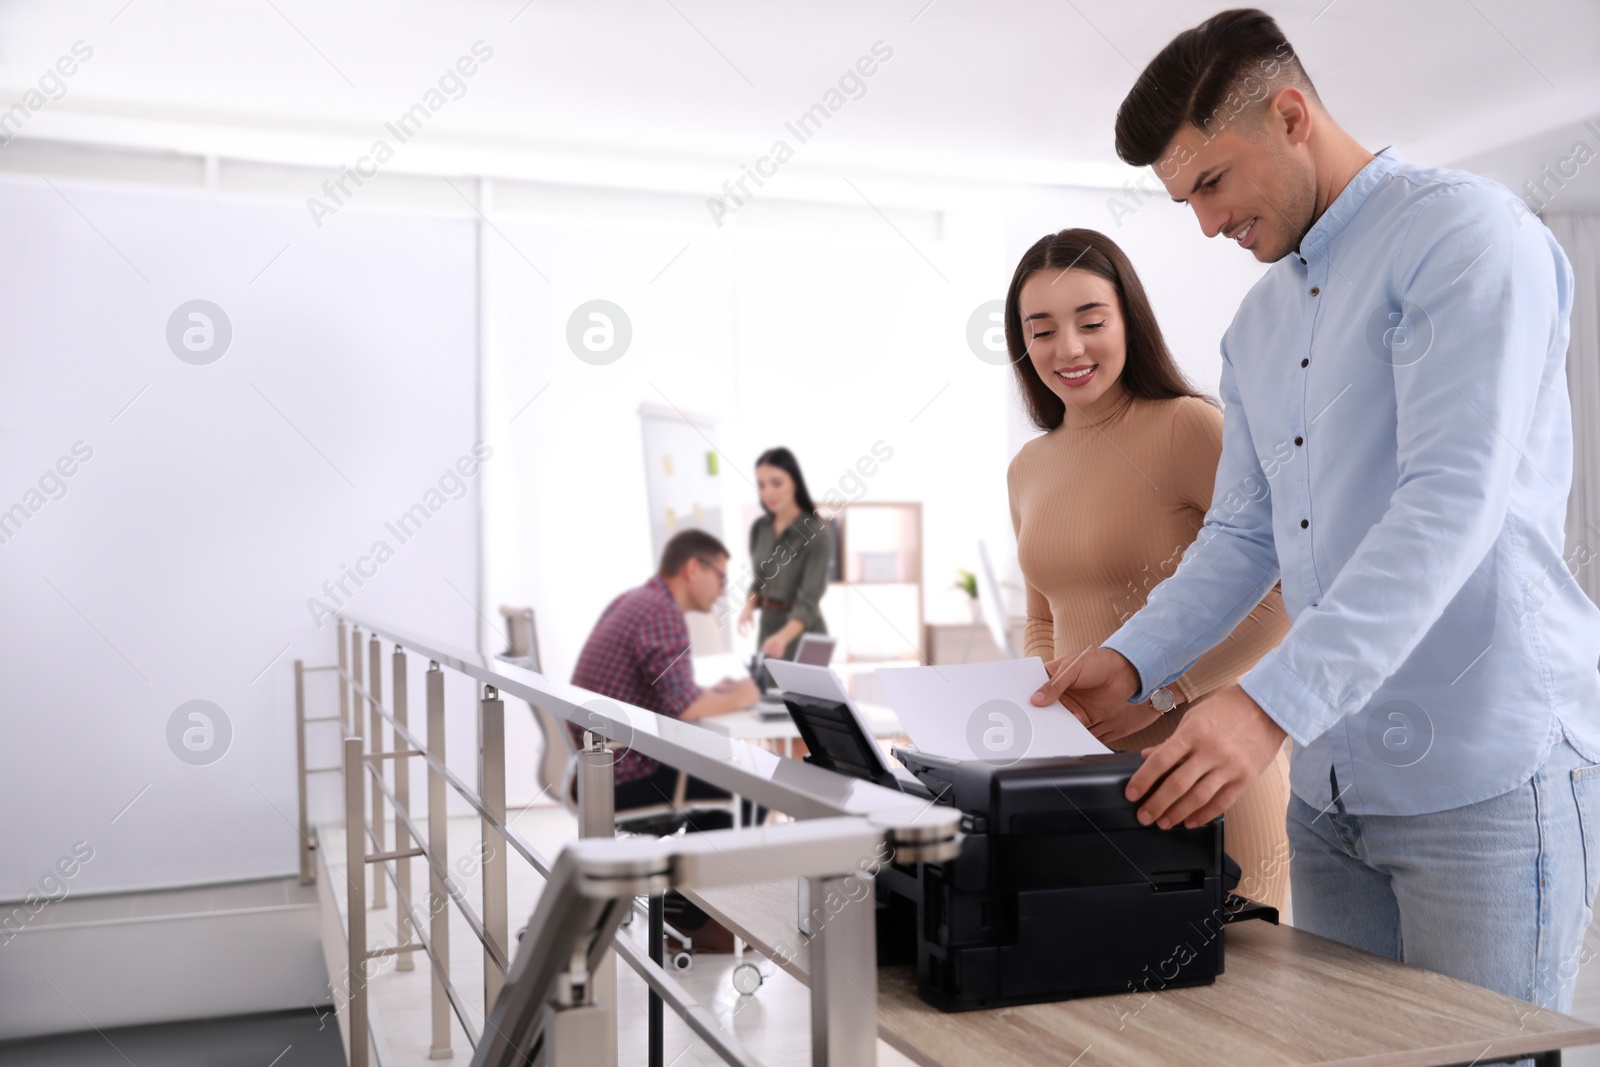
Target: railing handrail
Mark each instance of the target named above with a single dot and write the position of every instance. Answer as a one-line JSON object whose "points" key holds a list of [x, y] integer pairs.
{"points": [[789, 786], [839, 818], [572, 918]]}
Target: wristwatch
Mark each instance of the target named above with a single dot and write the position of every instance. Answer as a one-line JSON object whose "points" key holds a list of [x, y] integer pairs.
{"points": [[1163, 700]]}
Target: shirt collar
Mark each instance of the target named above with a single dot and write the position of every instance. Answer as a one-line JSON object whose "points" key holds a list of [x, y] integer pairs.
{"points": [[1350, 200], [658, 586]]}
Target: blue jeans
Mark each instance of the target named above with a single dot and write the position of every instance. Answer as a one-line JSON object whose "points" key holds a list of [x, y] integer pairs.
{"points": [[1497, 893]]}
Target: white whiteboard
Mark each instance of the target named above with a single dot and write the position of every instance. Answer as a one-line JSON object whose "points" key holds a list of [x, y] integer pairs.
{"points": [[683, 474]]}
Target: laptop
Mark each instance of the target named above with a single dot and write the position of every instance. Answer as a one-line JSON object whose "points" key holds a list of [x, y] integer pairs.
{"points": [[814, 650]]}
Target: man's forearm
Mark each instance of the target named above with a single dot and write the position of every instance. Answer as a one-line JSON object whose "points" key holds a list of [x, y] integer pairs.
{"points": [[1193, 611], [711, 703]]}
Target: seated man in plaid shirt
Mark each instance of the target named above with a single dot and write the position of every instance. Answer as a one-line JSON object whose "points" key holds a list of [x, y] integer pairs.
{"points": [[639, 654]]}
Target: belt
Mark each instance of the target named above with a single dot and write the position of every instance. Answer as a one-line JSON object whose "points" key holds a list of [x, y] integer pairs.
{"points": [[773, 605]]}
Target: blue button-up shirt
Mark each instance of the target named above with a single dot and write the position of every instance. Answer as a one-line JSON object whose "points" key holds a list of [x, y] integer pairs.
{"points": [[1397, 449]]}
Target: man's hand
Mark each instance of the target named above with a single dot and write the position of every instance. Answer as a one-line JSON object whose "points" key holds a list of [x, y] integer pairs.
{"points": [[1221, 746], [1095, 686]]}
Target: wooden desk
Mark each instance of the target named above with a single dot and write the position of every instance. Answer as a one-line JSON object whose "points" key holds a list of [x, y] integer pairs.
{"points": [[1287, 997]]}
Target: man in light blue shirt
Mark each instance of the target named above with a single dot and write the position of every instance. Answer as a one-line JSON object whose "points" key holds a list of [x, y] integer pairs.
{"points": [[1397, 451]]}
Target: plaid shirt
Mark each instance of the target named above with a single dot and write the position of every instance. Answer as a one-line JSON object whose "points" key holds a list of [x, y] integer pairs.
{"points": [[639, 654]]}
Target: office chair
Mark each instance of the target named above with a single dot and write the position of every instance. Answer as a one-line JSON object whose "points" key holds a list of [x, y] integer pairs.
{"points": [[557, 771]]}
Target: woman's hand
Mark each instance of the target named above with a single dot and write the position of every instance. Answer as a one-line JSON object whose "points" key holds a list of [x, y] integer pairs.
{"points": [[775, 646], [747, 618]]}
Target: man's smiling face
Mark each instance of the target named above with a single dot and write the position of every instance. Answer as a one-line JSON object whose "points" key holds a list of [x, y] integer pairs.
{"points": [[1254, 185]]}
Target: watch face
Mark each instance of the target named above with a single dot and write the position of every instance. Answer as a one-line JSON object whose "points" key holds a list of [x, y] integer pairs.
{"points": [[1162, 700]]}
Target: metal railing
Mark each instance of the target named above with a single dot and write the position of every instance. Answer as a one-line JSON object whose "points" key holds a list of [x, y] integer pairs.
{"points": [[556, 1002]]}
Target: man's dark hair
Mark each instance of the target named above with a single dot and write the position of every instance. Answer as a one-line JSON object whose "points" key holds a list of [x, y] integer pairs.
{"points": [[690, 544], [1206, 77]]}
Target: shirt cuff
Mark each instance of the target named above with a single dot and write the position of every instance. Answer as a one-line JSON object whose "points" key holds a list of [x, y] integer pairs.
{"points": [[1146, 657], [1302, 713]]}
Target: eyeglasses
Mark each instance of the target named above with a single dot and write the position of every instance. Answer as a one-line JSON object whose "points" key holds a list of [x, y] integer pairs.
{"points": [[722, 575]]}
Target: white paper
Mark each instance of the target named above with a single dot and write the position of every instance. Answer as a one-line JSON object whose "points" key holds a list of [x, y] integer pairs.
{"points": [[984, 711]]}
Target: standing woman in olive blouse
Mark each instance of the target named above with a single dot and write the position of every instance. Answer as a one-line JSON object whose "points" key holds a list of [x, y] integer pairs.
{"points": [[790, 547], [1108, 499]]}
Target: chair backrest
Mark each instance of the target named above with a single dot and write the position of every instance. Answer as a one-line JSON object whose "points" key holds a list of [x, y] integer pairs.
{"points": [[556, 762], [522, 635]]}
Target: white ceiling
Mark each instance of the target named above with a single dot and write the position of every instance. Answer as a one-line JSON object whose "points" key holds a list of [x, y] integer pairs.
{"points": [[1022, 91]]}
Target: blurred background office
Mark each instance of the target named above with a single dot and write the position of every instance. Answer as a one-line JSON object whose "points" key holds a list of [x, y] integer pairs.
{"points": [[416, 310]]}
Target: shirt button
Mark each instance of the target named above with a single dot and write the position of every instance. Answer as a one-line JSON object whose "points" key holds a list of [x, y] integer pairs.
{"points": [[1305, 362], [1315, 290], [1304, 523], [1302, 260], [1299, 440]]}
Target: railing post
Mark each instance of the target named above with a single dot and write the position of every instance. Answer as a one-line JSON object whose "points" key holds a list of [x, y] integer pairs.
{"points": [[355, 872], [844, 976], [307, 870], [597, 817], [597, 798], [344, 689], [492, 791], [656, 1021], [380, 884], [355, 680], [402, 796], [439, 849]]}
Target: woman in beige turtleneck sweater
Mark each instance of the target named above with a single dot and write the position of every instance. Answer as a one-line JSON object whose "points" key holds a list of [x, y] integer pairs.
{"points": [[1106, 502]]}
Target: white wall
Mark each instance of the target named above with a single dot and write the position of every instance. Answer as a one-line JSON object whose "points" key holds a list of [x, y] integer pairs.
{"points": [[178, 564], [822, 328]]}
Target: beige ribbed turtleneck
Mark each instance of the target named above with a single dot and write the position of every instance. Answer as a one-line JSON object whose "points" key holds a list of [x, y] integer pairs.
{"points": [[1104, 507]]}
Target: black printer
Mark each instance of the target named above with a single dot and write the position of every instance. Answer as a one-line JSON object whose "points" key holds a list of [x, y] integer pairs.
{"points": [[1058, 890]]}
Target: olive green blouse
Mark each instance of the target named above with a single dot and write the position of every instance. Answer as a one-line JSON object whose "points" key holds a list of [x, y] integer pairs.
{"points": [[792, 569]]}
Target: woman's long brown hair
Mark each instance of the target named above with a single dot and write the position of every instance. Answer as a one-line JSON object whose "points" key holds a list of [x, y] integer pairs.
{"points": [[1149, 371]]}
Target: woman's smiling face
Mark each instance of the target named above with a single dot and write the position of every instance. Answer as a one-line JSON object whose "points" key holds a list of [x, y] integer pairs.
{"points": [[1073, 324]]}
